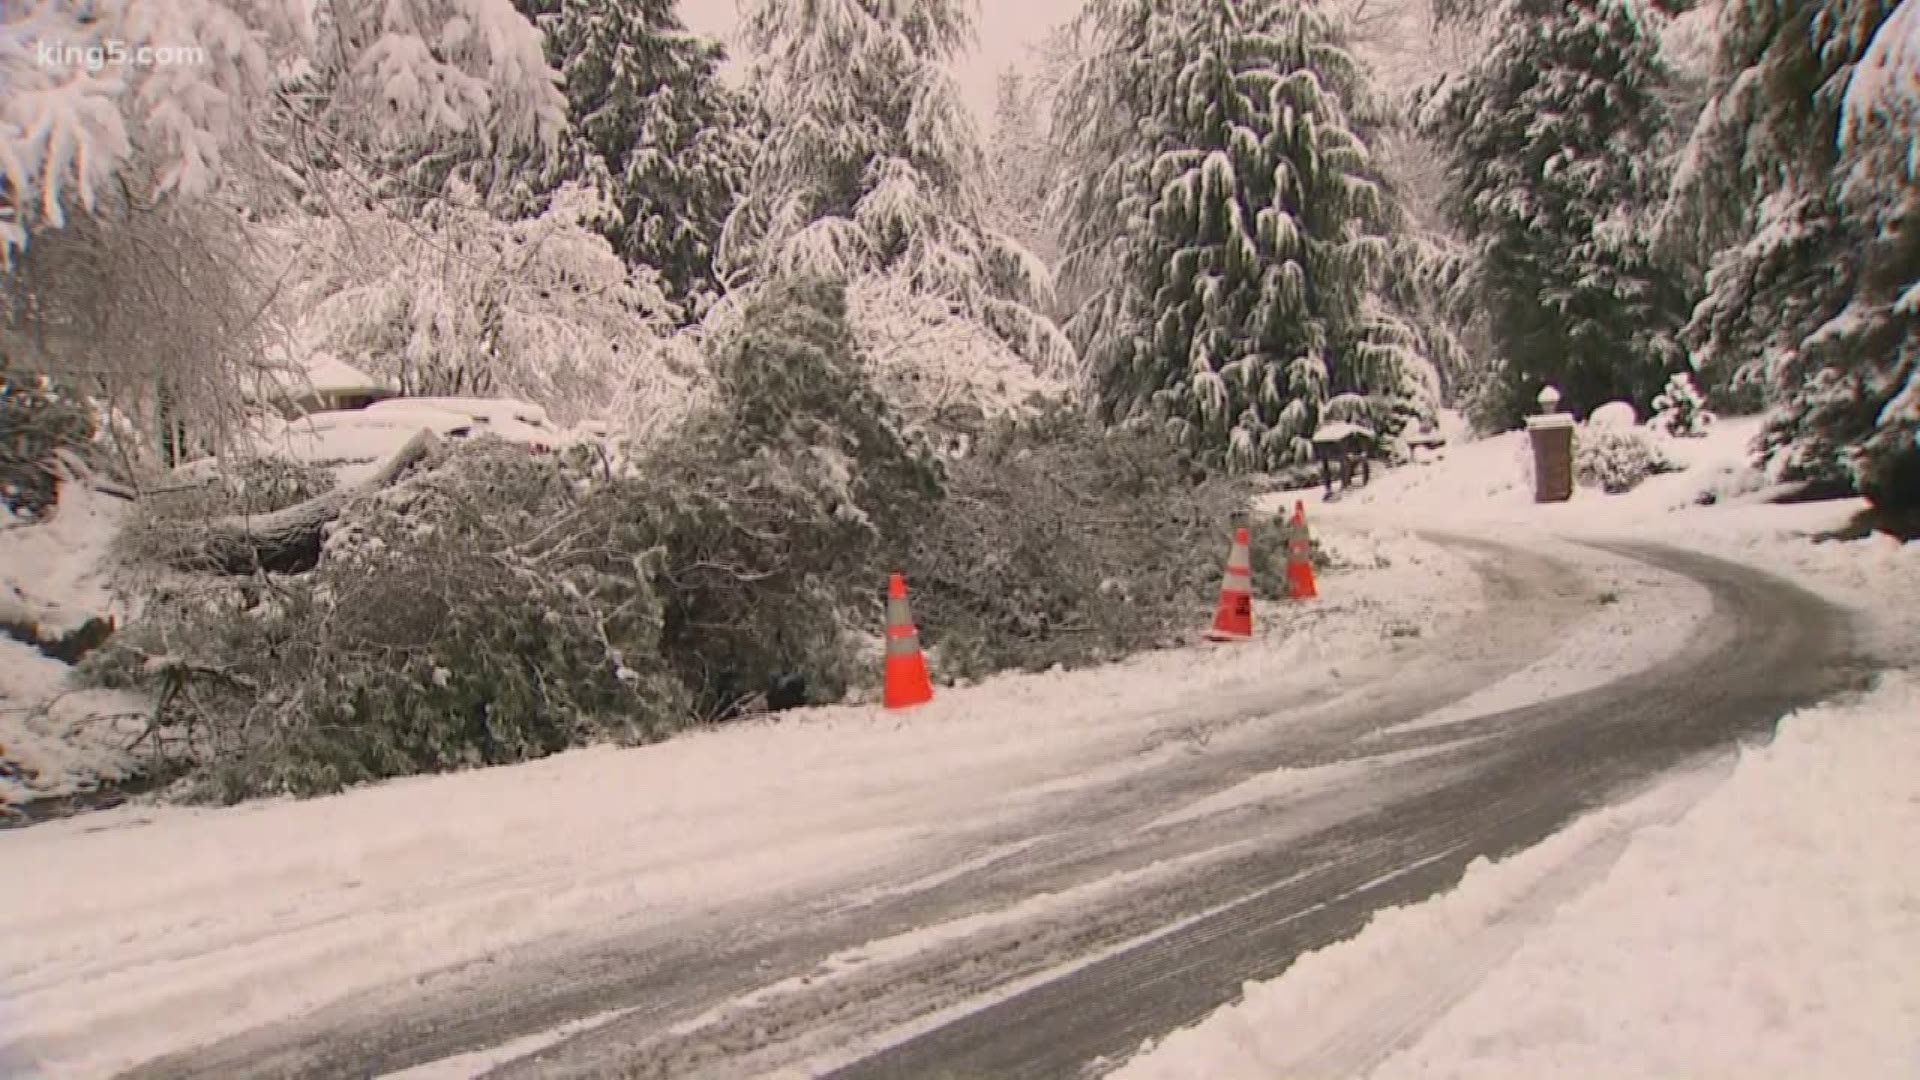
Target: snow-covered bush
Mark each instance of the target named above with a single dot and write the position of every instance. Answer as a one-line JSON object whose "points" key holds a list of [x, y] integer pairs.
{"points": [[1681, 410], [942, 372], [1063, 542], [1617, 460], [488, 611], [37, 427]]}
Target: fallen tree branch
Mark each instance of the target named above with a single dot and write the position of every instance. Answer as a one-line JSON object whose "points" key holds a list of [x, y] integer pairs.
{"points": [[286, 541]]}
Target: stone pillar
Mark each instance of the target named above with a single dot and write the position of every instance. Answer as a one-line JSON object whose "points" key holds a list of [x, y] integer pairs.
{"points": [[1552, 436]]}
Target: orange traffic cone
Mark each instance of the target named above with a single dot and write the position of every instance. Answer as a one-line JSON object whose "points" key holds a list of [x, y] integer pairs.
{"points": [[1300, 584], [906, 682], [1233, 618]]}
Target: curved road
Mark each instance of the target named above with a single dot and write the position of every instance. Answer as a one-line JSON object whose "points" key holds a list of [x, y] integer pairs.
{"points": [[1053, 949]]}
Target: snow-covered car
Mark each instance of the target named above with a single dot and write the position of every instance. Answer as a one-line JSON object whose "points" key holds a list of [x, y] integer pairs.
{"points": [[514, 421], [354, 442]]}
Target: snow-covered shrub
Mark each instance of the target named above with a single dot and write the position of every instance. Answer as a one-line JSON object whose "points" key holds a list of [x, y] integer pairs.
{"points": [[37, 427], [942, 371], [488, 611], [1617, 460], [1064, 542], [1681, 410]]}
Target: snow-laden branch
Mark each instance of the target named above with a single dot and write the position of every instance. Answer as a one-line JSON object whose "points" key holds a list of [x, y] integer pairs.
{"points": [[186, 85]]}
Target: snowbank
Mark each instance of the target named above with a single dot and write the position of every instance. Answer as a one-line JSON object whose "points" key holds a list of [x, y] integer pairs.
{"points": [[1768, 931], [51, 570], [55, 741], [147, 930]]}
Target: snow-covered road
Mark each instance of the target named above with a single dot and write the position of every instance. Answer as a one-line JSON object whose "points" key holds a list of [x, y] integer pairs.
{"points": [[1065, 909]]}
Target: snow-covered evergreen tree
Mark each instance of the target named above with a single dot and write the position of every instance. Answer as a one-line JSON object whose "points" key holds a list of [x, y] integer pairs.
{"points": [[870, 173], [1556, 137], [655, 127], [1223, 220], [1880, 188], [1798, 190], [1019, 160], [1681, 410]]}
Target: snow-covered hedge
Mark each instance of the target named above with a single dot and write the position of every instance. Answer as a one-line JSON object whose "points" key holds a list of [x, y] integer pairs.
{"points": [[1617, 460]]}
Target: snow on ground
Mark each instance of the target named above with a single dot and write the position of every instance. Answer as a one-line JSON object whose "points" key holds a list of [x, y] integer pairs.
{"points": [[144, 930], [50, 571], [1758, 927], [1768, 930], [1490, 482], [55, 740], [1485, 487]]}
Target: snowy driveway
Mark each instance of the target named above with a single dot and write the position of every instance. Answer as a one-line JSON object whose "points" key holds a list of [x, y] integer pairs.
{"points": [[1061, 904]]}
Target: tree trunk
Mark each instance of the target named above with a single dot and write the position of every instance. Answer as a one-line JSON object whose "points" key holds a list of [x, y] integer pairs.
{"points": [[285, 541]]}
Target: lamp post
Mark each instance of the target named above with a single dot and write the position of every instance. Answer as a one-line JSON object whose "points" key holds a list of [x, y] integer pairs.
{"points": [[1551, 433]]}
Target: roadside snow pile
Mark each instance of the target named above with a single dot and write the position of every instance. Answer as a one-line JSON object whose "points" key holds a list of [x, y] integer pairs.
{"points": [[1767, 932], [225, 919], [50, 570], [55, 741]]}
